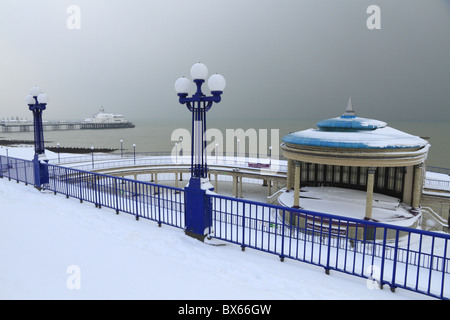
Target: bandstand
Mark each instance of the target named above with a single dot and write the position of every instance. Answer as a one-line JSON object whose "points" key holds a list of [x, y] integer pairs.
{"points": [[352, 152]]}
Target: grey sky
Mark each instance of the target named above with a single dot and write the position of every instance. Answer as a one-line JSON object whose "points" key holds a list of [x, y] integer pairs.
{"points": [[281, 58]]}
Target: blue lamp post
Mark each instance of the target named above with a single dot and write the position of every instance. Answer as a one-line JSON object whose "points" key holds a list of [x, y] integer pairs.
{"points": [[198, 217], [37, 103], [199, 104]]}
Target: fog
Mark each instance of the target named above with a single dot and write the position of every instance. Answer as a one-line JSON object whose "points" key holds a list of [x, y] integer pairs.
{"points": [[284, 59]]}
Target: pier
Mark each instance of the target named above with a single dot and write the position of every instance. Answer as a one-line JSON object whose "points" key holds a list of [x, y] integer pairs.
{"points": [[27, 126]]}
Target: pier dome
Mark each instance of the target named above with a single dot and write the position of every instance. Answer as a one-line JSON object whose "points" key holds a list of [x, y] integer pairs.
{"points": [[357, 153]]}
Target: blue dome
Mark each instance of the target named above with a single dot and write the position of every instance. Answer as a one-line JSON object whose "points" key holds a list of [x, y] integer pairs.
{"points": [[349, 124], [352, 132], [381, 138]]}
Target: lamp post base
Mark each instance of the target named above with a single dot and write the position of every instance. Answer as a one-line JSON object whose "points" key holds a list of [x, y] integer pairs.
{"points": [[195, 235], [198, 213], [41, 175], [201, 183]]}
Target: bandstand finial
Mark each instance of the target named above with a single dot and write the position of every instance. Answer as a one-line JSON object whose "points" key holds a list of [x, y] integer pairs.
{"points": [[349, 112]]}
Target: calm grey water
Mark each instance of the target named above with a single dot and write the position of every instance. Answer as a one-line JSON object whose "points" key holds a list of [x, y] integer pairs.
{"points": [[155, 135]]}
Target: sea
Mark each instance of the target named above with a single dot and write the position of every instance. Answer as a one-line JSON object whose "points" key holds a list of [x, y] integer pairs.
{"points": [[155, 135]]}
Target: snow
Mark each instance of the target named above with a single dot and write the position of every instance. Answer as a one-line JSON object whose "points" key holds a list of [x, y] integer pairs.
{"points": [[27, 153], [46, 241], [385, 137], [351, 122], [439, 182], [437, 176], [42, 235], [350, 203]]}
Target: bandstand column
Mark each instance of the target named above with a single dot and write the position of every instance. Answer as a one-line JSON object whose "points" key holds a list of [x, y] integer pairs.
{"points": [[240, 187], [417, 185], [289, 175], [296, 185], [176, 179], [369, 199]]}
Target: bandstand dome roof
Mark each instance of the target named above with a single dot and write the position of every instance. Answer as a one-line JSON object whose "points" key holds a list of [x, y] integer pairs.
{"points": [[353, 132]]}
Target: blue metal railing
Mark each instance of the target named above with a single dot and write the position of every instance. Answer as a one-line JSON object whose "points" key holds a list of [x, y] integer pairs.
{"points": [[162, 204], [17, 169], [400, 257]]}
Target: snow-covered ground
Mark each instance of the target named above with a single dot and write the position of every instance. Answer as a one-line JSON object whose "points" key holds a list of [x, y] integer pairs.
{"points": [[350, 203], [47, 241], [56, 248]]}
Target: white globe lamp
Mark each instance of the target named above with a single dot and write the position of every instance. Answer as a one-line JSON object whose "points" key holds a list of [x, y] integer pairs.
{"points": [[29, 99], [216, 83], [183, 85], [199, 71], [35, 91], [42, 98]]}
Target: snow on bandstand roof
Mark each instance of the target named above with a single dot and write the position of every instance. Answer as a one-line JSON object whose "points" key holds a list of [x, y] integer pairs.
{"points": [[351, 131]]}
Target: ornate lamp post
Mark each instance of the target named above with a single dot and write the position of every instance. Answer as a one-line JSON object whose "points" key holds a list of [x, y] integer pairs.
{"points": [[198, 216], [199, 104], [37, 102]]}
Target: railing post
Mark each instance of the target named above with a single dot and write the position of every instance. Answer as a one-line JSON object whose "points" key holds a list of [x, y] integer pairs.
{"points": [[327, 268], [444, 260], [243, 227], [383, 256], [117, 195], [94, 185], [394, 267], [80, 181], [159, 206], [7, 166], [17, 173], [282, 236], [66, 173], [25, 173], [135, 196], [431, 265]]}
